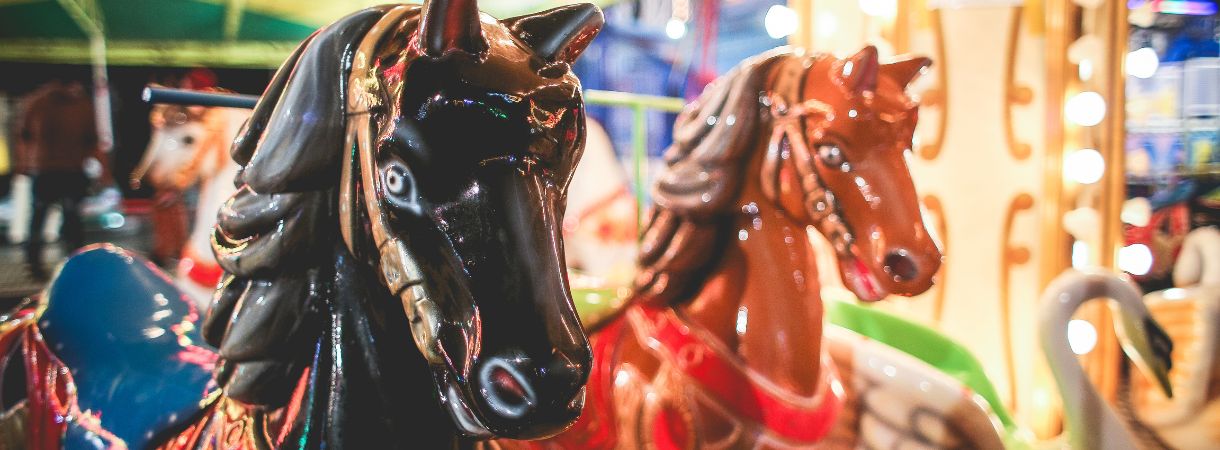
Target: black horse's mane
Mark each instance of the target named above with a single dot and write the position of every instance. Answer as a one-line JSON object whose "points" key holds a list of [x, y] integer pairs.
{"points": [[276, 236]]}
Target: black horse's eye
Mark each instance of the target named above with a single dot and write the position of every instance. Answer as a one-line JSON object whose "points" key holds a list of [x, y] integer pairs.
{"points": [[832, 156], [188, 140], [396, 179]]}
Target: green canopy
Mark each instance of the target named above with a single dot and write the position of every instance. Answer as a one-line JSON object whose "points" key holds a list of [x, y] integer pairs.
{"points": [[213, 33]]}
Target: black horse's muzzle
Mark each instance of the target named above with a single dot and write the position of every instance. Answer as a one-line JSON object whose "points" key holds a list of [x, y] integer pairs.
{"points": [[523, 374]]}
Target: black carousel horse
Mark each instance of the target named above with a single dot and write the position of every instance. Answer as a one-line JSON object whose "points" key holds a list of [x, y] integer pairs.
{"points": [[403, 181]]}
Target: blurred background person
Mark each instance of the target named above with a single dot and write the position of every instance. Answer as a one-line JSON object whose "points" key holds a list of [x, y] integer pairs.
{"points": [[56, 137]]}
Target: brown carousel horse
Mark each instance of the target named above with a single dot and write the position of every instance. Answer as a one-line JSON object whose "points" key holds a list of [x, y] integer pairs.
{"points": [[723, 345]]}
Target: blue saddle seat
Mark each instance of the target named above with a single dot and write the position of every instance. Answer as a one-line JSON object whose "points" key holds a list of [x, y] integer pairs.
{"points": [[131, 342]]}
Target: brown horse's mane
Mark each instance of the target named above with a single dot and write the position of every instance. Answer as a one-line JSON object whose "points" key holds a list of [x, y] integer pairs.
{"points": [[713, 139]]}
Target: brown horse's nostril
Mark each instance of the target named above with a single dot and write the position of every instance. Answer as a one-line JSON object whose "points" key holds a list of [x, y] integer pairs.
{"points": [[901, 266]]}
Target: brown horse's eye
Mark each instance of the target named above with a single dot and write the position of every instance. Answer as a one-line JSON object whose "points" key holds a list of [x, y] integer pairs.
{"points": [[832, 156], [188, 140]]}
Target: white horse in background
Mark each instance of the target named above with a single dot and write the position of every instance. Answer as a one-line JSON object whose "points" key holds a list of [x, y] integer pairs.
{"points": [[190, 146], [600, 224]]}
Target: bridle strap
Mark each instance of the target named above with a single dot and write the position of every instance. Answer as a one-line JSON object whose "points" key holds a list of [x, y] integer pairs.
{"points": [[788, 142]]}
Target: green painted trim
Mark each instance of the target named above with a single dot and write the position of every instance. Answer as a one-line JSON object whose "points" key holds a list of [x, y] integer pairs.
{"points": [[639, 159], [253, 55], [513, 8], [639, 104], [309, 12], [626, 99]]}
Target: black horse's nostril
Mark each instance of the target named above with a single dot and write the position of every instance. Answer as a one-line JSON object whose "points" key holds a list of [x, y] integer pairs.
{"points": [[901, 266], [507, 391], [507, 386]]}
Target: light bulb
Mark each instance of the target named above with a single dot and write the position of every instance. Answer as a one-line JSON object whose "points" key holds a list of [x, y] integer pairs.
{"points": [[1082, 336], [1085, 70], [1142, 63], [675, 28], [1085, 166], [1086, 109], [1080, 255], [781, 21], [1135, 259], [1136, 211]]}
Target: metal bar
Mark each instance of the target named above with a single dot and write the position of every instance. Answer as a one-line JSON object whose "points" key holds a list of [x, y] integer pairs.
{"points": [[626, 99], [86, 15], [195, 98], [639, 103], [234, 10], [639, 160], [101, 94]]}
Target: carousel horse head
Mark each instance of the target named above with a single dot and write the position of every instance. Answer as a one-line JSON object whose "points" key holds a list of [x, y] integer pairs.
{"points": [[826, 139], [173, 149], [432, 147], [187, 143]]}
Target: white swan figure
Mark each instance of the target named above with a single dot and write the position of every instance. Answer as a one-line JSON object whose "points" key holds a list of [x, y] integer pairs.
{"points": [[1090, 422]]}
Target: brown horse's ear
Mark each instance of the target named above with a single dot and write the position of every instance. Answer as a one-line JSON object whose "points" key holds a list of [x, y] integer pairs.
{"points": [[451, 25], [859, 73], [906, 70], [560, 34]]}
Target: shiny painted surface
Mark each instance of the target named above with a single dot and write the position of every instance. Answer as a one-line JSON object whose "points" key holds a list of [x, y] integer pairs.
{"points": [[785, 142], [403, 182], [441, 225], [127, 336]]}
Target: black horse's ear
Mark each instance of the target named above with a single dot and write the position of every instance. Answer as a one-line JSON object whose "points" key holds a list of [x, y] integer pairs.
{"points": [[295, 138], [560, 34], [451, 25]]}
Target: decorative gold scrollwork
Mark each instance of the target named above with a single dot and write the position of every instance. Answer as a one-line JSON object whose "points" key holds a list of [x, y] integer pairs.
{"points": [[1011, 255], [1014, 93], [939, 95]]}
